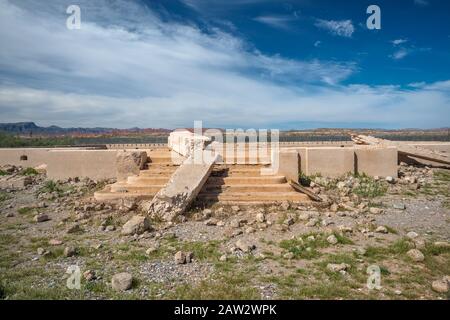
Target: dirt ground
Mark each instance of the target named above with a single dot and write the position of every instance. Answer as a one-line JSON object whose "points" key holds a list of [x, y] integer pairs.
{"points": [[278, 251]]}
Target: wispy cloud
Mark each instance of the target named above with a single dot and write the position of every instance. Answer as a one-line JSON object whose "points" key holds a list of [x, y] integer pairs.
{"points": [[127, 67], [276, 21], [317, 44], [421, 3], [399, 41], [399, 54], [343, 28]]}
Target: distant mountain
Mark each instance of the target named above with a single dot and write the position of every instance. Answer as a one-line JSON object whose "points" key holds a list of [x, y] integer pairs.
{"points": [[30, 128]]}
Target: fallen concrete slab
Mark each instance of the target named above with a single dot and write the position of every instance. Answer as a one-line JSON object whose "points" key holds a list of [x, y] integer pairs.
{"points": [[183, 187]]}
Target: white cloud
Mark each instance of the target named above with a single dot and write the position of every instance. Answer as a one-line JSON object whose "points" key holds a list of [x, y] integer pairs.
{"points": [[399, 41], [317, 43], [421, 3], [141, 71], [399, 54], [342, 28], [276, 21]]}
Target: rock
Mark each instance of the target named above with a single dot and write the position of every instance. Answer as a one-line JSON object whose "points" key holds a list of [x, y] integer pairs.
{"points": [[189, 257], [76, 228], [129, 163], [361, 251], [289, 221], [442, 244], [122, 281], [412, 235], [110, 228], [260, 217], [332, 239], [41, 218], [55, 242], [381, 229], [399, 206], [390, 179], [235, 223], [211, 222], [235, 209], [288, 256], [89, 275], [304, 216], [285, 205], [180, 257], [151, 250], [70, 251], [334, 207], [40, 251], [10, 215], [440, 286], [375, 210], [223, 258], [312, 222], [207, 213], [245, 246], [250, 230], [136, 225], [416, 255], [341, 267]]}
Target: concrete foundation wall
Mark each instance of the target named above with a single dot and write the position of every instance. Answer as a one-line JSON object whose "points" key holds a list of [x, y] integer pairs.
{"points": [[380, 162], [95, 164]]}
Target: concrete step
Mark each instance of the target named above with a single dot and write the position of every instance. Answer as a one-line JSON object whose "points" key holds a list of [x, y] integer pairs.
{"points": [[136, 188], [155, 180], [253, 197], [245, 180], [284, 187], [106, 195]]}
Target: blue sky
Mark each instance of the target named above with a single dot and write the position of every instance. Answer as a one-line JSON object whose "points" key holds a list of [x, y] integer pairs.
{"points": [[243, 63]]}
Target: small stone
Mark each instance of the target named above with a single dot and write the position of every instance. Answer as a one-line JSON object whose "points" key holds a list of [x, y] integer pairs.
{"points": [[136, 225], [10, 215], [189, 256], [312, 222], [250, 230], [289, 221], [338, 267], [332, 239], [207, 213], [399, 206], [285, 205], [211, 222], [390, 179], [288, 256], [180, 257], [151, 250], [260, 217], [110, 228], [76, 228], [412, 235], [235, 209], [41, 218], [334, 207], [361, 251], [375, 210], [122, 281], [223, 258], [440, 286], [55, 242], [40, 251], [381, 229], [70, 251], [416, 255], [89, 275], [398, 292], [442, 244], [244, 246]]}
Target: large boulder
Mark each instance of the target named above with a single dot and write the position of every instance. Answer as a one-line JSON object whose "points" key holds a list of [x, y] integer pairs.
{"points": [[129, 163], [136, 225]]}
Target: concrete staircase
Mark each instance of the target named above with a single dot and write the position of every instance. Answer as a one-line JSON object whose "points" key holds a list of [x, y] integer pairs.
{"points": [[244, 184], [228, 184], [159, 169]]}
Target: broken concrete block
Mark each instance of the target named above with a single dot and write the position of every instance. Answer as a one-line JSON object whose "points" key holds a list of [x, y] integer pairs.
{"points": [[15, 182], [377, 161], [182, 188], [129, 163]]}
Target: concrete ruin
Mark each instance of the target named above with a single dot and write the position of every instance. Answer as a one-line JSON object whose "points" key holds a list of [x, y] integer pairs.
{"points": [[166, 177]]}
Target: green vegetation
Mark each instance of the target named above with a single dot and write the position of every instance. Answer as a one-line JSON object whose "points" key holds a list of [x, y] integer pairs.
{"points": [[3, 173], [3, 196], [10, 141], [369, 188], [29, 172]]}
